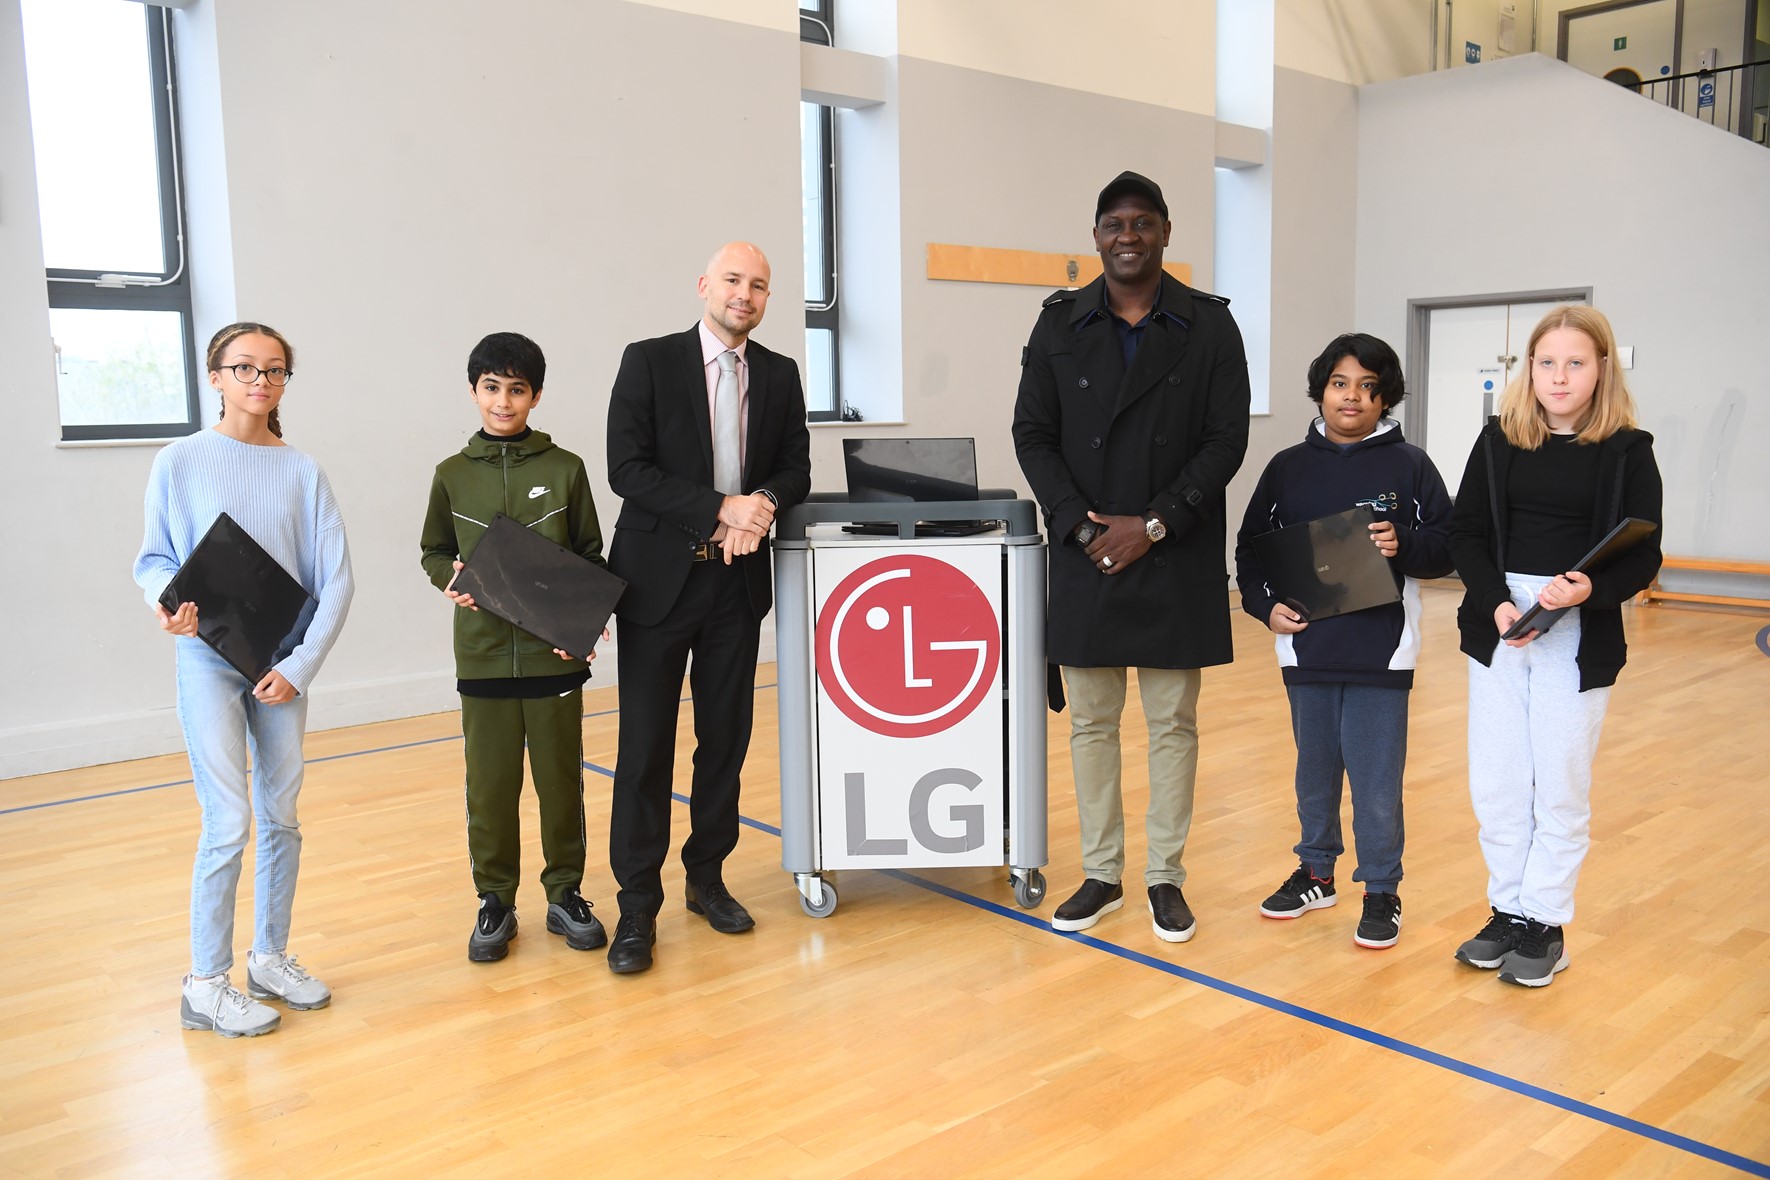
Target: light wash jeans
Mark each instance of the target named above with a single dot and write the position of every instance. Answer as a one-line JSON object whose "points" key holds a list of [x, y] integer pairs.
{"points": [[222, 723], [1532, 737]]}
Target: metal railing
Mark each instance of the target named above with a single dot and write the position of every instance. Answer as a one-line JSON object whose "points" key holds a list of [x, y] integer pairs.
{"points": [[1733, 98]]}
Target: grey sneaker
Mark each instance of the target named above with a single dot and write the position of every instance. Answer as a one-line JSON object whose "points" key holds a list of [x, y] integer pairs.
{"points": [[571, 917], [216, 1005], [492, 930], [1495, 941], [280, 977], [1540, 956]]}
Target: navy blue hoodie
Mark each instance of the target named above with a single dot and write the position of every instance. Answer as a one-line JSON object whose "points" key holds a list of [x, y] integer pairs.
{"points": [[1319, 478]]}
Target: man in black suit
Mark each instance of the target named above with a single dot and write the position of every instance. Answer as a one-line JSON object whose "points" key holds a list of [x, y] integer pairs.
{"points": [[706, 442]]}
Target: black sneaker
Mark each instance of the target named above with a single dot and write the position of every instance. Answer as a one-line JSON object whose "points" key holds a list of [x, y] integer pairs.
{"points": [[492, 931], [1497, 940], [1301, 892], [1087, 904], [1381, 925], [1170, 914], [571, 916], [1541, 954]]}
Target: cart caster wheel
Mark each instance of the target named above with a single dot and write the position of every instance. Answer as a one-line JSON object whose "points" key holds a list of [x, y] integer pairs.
{"points": [[1029, 890], [823, 909]]}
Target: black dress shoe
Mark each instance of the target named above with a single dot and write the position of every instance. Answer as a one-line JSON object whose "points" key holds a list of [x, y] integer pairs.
{"points": [[1173, 917], [630, 951], [722, 910]]}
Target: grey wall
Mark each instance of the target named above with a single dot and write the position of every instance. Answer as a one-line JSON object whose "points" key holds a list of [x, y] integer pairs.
{"points": [[1527, 174]]}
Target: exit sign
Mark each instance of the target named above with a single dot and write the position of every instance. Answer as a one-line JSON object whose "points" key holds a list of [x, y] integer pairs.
{"points": [[1617, 43]]}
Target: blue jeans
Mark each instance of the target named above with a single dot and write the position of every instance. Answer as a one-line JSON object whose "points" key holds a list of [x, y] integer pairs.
{"points": [[1357, 732], [223, 722]]}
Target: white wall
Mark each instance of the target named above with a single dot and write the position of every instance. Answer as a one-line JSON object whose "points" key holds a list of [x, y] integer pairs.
{"points": [[401, 178], [1527, 174]]}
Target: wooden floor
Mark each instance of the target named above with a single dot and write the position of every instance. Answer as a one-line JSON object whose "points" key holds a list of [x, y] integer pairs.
{"points": [[926, 1031]]}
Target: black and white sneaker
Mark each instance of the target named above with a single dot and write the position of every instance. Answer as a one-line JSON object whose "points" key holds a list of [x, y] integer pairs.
{"points": [[1087, 904], [1489, 948], [1380, 926], [1301, 892], [1541, 955], [492, 930], [571, 916]]}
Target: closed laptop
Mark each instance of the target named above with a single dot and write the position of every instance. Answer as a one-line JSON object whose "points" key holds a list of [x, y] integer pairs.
{"points": [[250, 609], [544, 588], [1327, 567]]}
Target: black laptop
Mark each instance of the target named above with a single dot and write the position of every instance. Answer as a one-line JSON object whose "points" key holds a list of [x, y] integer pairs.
{"points": [[1327, 567], [544, 588], [913, 470], [250, 609], [1626, 535]]}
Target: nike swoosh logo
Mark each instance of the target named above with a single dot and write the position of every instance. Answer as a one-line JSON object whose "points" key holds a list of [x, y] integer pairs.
{"points": [[535, 493]]}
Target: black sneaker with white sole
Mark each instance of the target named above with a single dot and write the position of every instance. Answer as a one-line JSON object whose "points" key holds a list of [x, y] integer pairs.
{"points": [[571, 916], [1541, 954], [1087, 904], [1380, 927], [492, 930], [1489, 948], [1301, 892]]}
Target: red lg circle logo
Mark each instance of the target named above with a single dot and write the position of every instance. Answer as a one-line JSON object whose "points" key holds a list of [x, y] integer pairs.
{"points": [[907, 646]]}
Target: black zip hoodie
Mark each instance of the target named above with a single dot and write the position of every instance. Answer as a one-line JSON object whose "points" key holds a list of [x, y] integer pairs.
{"points": [[1628, 485]]}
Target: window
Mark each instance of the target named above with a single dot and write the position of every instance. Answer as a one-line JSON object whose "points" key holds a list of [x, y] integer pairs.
{"points": [[104, 127], [823, 399]]}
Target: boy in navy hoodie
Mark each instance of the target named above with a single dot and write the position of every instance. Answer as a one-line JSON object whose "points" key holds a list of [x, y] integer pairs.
{"points": [[1348, 676]]}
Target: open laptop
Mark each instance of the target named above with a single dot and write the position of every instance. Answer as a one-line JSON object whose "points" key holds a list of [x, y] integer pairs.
{"points": [[913, 470], [250, 609], [1327, 567], [1626, 535], [546, 589]]}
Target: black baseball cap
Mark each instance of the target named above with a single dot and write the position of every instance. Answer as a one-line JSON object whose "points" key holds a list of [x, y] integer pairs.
{"points": [[1131, 183]]}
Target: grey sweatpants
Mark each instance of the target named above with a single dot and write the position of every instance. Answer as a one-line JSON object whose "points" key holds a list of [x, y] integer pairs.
{"points": [[1532, 737]]}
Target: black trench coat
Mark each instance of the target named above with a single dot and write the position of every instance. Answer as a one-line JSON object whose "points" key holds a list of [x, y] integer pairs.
{"points": [[1166, 437]]}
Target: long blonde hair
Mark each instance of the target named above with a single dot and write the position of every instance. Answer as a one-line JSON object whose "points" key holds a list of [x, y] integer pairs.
{"points": [[1522, 417], [218, 346]]}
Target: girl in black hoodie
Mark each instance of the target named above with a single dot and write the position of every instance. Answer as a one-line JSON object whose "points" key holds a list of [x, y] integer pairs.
{"points": [[1561, 464]]}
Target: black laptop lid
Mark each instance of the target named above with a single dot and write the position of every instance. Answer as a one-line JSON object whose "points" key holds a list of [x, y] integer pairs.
{"points": [[1628, 533], [1327, 567], [902, 470], [249, 608], [544, 588]]}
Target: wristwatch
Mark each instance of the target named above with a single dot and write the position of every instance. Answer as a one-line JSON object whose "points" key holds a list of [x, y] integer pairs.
{"points": [[1153, 527]]}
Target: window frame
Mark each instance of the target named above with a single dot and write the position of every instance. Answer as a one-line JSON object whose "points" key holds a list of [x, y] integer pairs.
{"points": [[169, 290], [815, 27]]}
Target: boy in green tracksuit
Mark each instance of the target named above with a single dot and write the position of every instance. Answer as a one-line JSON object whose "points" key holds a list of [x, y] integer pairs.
{"points": [[514, 688]]}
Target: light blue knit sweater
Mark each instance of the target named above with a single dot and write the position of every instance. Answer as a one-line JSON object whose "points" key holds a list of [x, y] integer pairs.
{"points": [[278, 495]]}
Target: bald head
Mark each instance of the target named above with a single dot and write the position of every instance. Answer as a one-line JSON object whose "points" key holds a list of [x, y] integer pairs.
{"points": [[735, 289]]}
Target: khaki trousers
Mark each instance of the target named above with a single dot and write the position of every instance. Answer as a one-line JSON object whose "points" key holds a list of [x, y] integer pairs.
{"points": [[1170, 710]]}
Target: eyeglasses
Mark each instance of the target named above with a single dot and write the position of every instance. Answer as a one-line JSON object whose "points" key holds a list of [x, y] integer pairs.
{"points": [[247, 374]]}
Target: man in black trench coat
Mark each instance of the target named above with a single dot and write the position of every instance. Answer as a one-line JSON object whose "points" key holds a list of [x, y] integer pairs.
{"points": [[1131, 419]]}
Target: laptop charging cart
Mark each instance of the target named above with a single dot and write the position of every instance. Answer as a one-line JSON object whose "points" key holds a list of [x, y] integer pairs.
{"points": [[912, 692]]}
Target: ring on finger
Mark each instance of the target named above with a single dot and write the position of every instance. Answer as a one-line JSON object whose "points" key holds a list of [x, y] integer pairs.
{"points": [[1106, 563]]}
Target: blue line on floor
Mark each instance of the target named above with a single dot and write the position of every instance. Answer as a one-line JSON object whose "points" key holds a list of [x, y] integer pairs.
{"points": [[1332, 1024], [1271, 1003]]}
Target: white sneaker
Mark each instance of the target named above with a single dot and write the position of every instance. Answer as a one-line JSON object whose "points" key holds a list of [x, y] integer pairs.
{"points": [[280, 977], [217, 1005]]}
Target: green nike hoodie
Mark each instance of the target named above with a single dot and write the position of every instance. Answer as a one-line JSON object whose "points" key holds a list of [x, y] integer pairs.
{"points": [[534, 483]]}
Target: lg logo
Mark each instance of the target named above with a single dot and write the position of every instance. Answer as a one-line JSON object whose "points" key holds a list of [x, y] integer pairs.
{"points": [[907, 646]]}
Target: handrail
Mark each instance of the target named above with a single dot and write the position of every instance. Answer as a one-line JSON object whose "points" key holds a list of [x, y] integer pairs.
{"points": [[1735, 114]]}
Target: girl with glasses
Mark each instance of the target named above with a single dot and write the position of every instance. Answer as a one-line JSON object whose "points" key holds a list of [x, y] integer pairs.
{"points": [[280, 496]]}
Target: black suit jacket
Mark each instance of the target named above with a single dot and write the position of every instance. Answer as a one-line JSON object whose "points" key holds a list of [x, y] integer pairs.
{"points": [[660, 462]]}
